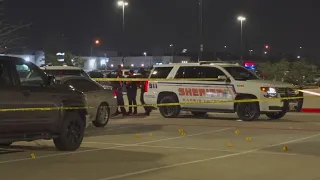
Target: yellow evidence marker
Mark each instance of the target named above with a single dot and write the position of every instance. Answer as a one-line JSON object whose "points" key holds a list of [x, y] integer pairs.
{"points": [[248, 139], [229, 145], [181, 130], [285, 148], [150, 134], [237, 132], [33, 156], [183, 134]]}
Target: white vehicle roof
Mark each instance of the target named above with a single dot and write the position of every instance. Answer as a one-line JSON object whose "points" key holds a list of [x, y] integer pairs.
{"points": [[197, 64], [61, 68]]}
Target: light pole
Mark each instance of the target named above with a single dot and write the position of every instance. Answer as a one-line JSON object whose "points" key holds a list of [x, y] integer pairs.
{"points": [[241, 19], [200, 31], [96, 42], [172, 52], [123, 4]]}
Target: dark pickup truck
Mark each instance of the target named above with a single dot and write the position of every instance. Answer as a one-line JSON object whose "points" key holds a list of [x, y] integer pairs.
{"points": [[33, 107]]}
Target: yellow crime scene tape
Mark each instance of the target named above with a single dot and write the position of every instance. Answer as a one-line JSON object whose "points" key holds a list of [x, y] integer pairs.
{"points": [[153, 105]]}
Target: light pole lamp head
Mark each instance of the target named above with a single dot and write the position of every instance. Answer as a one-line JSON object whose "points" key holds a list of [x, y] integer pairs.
{"points": [[123, 3], [241, 18]]}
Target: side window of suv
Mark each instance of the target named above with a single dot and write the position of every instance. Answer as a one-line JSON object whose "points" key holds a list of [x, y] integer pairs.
{"points": [[29, 75], [5, 79], [161, 72], [212, 72], [191, 72]]}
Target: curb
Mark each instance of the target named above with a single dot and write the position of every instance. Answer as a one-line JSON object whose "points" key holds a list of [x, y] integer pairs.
{"points": [[310, 110]]}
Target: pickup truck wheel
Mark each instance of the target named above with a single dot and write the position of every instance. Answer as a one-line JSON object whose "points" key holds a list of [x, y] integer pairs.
{"points": [[71, 134], [248, 111], [198, 114], [102, 117], [170, 111]]}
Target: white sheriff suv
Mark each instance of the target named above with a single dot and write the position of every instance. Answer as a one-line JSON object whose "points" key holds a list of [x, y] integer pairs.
{"points": [[243, 91]]}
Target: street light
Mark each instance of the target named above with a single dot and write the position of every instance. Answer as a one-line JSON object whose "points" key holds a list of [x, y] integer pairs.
{"points": [[96, 42], [241, 19], [123, 4]]}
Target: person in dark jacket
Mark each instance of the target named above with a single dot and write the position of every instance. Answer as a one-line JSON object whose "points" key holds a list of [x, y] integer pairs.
{"points": [[132, 87], [146, 108], [118, 85]]}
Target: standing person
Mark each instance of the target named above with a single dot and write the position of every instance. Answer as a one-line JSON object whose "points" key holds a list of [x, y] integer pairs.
{"points": [[118, 85], [132, 94], [146, 108]]}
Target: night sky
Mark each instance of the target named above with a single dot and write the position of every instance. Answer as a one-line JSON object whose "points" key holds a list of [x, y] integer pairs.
{"points": [[152, 25]]}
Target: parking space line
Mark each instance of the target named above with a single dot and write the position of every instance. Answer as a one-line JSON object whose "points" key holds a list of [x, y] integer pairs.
{"points": [[190, 148], [204, 160], [114, 147]]}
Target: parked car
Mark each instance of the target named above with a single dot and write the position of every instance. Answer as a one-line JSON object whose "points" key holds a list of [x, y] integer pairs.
{"points": [[102, 101], [32, 107], [64, 71]]}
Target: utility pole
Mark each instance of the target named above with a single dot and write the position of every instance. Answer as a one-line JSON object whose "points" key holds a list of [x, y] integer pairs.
{"points": [[200, 32]]}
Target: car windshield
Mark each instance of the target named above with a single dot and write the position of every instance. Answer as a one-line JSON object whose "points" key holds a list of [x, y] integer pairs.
{"points": [[62, 72], [240, 73]]}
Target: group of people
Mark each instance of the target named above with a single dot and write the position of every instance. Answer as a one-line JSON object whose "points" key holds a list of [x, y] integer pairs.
{"points": [[132, 88]]}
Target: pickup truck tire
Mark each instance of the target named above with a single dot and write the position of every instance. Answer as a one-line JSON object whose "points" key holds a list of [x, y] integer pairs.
{"points": [[169, 111], [103, 115], [199, 114], [248, 111], [71, 134]]}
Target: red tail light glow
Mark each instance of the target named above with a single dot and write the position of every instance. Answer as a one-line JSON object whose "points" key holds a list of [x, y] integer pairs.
{"points": [[146, 86], [114, 94]]}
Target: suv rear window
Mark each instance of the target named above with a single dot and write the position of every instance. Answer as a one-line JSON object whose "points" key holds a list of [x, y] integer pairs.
{"points": [[161, 72]]}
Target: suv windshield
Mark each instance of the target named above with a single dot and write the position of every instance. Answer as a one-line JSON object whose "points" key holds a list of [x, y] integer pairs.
{"points": [[240, 73], [62, 72]]}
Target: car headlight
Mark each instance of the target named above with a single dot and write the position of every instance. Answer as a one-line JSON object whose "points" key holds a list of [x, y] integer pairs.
{"points": [[269, 91], [296, 91]]}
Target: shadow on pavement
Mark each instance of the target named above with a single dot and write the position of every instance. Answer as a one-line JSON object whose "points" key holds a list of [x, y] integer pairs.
{"points": [[261, 119], [131, 129]]}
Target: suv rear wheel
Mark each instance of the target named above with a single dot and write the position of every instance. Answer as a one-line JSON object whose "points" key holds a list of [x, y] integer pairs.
{"points": [[103, 115], [170, 111], [198, 114], [248, 111], [72, 132]]}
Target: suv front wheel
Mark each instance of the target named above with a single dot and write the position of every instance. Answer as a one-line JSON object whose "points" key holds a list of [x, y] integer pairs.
{"points": [[170, 111], [71, 134], [248, 111]]}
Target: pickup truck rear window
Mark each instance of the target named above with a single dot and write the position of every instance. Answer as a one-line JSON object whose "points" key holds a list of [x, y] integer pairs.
{"points": [[161, 72]]}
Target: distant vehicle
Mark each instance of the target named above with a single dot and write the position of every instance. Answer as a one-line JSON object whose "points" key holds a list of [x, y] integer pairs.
{"points": [[24, 86], [64, 71], [102, 101], [96, 74]]}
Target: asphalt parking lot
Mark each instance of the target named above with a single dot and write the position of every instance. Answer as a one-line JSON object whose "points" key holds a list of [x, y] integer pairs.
{"points": [[140, 148]]}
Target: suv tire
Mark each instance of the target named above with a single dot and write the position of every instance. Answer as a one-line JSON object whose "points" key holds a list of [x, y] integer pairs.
{"points": [[248, 111], [280, 114], [199, 114], [71, 134], [102, 117], [169, 111]]}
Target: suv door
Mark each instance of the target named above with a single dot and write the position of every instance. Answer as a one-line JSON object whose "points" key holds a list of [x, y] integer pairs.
{"points": [[36, 94], [10, 98]]}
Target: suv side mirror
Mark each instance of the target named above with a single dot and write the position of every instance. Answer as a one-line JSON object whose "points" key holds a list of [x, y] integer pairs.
{"points": [[51, 80]]}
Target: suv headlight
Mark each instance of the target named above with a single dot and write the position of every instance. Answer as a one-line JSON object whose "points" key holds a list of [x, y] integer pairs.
{"points": [[269, 91]]}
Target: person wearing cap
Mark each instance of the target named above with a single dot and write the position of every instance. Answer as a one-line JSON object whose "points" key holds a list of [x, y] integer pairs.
{"points": [[146, 108], [118, 85], [132, 94]]}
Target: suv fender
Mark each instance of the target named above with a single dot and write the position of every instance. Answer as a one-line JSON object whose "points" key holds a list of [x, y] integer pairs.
{"points": [[82, 112], [241, 96]]}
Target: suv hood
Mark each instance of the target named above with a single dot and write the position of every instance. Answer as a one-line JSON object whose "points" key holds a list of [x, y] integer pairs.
{"points": [[268, 83]]}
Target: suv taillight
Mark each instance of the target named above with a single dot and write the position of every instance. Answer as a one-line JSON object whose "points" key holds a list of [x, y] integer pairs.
{"points": [[114, 94], [146, 86]]}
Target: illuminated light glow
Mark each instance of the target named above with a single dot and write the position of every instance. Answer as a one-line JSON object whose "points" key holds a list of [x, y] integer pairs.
{"points": [[241, 18], [123, 3], [60, 54], [132, 65], [142, 65], [111, 65], [121, 65], [27, 59]]}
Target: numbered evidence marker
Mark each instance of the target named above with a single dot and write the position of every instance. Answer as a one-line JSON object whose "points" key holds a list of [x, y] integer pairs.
{"points": [[150, 134], [285, 148], [237, 132], [182, 132], [248, 138], [33, 156], [229, 145]]}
